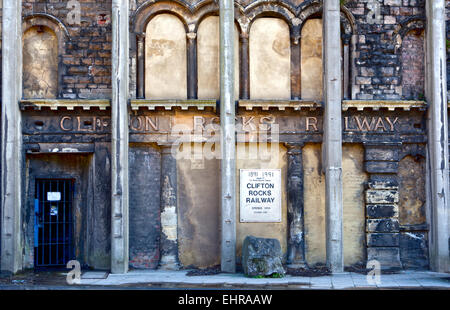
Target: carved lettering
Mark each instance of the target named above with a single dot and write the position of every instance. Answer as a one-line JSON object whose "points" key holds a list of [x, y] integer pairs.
{"points": [[364, 124], [266, 122], [391, 124], [133, 122], [380, 124], [61, 123], [248, 122], [199, 122], [311, 122], [367, 124], [149, 123]]}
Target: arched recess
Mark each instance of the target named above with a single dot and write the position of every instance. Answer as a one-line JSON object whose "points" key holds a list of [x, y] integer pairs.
{"points": [[311, 60], [165, 58], [189, 15], [208, 53], [44, 39], [269, 46], [312, 10]]}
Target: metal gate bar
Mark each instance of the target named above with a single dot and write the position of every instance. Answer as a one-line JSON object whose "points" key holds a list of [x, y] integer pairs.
{"points": [[53, 223]]}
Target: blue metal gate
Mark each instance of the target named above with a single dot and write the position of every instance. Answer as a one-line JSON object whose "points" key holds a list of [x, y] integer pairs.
{"points": [[53, 231]]}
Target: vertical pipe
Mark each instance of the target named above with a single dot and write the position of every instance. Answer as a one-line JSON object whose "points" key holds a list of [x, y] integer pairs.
{"points": [[227, 137], [333, 135], [438, 136], [11, 140], [119, 137]]}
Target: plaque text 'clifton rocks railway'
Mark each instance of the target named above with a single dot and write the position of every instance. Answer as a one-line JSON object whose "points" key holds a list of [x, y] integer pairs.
{"points": [[260, 195]]}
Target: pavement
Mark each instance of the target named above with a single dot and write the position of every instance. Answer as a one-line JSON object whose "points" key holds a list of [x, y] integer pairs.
{"points": [[347, 280], [162, 279]]}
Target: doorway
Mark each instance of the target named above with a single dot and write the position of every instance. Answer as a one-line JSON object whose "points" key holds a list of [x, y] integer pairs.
{"points": [[53, 229]]}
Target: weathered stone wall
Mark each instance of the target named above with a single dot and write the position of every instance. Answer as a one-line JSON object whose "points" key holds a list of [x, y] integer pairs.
{"points": [[199, 212], [354, 179], [250, 157], [145, 217]]}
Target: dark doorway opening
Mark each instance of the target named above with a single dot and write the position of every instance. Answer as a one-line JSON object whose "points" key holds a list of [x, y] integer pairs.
{"points": [[53, 229]]}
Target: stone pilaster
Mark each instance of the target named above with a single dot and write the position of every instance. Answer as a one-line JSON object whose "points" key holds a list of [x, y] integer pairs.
{"points": [[227, 137], [436, 97], [11, 196], [169, 221], [332, 137], [119, 137], [296, 234], [382, 197]]}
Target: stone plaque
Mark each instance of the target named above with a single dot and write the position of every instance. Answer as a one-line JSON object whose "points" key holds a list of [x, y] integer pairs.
{"points": [[260, 195]]}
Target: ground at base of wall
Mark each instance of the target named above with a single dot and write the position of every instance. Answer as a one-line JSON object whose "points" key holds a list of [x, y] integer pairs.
{"points": [[162, 279], [204, 271]]}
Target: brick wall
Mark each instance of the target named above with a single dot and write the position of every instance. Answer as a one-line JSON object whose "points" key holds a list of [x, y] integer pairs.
{"points": [[87, 58], [413, 66], [378, 60]]}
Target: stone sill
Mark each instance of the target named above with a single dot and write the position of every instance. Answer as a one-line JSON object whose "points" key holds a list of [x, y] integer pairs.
{"points": [[198, 104], [169, 104], [69, 104], [281, 105], [391, 105]]}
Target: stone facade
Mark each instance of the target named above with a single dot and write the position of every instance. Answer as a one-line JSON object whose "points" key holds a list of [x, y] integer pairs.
{"points": [[174, 205]]}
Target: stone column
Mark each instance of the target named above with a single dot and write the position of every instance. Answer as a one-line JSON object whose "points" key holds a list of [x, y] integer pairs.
{"points": [[296, 237], [227, 137], [332, 155], [169, 221], [141, 65], [192, 78], [119, 137], [11, 199], [244, 79], [296, 64], [436, 96]]}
